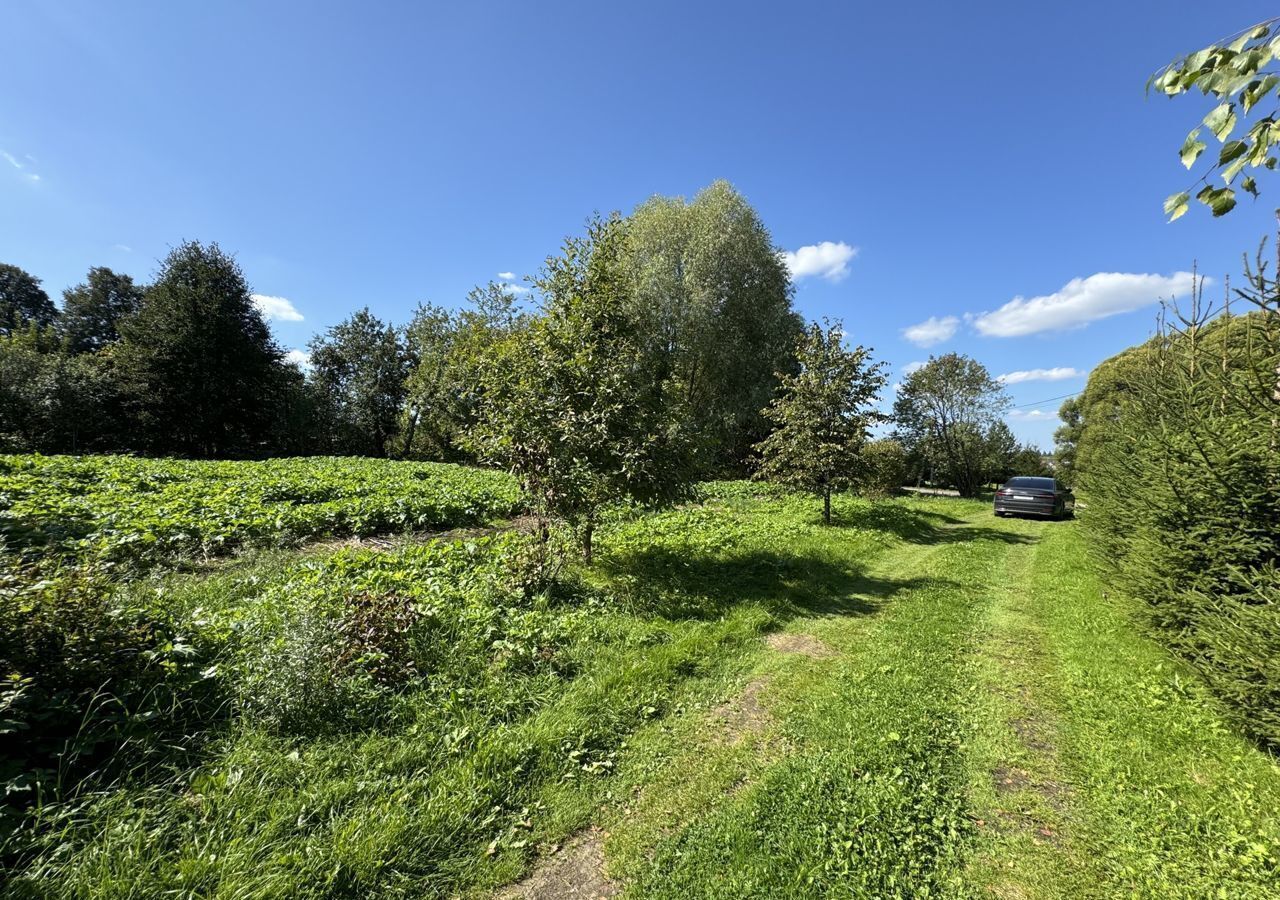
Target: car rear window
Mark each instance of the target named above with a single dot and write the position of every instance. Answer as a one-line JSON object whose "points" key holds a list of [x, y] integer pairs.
{"points": [[1035, 484]]}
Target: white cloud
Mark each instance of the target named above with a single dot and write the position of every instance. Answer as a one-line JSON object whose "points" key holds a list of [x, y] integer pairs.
{"points": [[517, 289], [300, 358], [123, 248], [913, 367], [507, 276], [931, 331], [1059, 373], [1081, 301], [1034, 415], [20, 166], [277, 308], [829, 260]]}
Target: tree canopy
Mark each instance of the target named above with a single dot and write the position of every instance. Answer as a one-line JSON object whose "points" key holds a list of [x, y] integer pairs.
{"points": [[92, 311], [23, 301], [575, 406], [714, 302], [197, 359], [950, 411], [359, 368], [822, 415]]}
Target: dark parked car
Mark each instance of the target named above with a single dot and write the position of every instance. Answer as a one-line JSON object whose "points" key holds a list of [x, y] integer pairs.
{"points": [[1033, 496]]}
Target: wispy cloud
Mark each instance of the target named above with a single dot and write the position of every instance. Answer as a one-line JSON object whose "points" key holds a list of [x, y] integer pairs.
{"points": [[507, 276], [1059, 373], [829, 260], [913, 367], [932, 330], [277, 308], [300, 358], [1081, 301], [20, 166], [123, 248], [517, 289]]}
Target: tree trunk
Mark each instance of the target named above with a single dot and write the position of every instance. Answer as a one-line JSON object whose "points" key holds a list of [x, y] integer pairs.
{"points": [[409, 432], [586, 541], [826, 504]]}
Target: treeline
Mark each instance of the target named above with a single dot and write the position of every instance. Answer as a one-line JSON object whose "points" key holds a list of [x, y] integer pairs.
{"points": [[186, 365], [695, 291], [1176, 443]]}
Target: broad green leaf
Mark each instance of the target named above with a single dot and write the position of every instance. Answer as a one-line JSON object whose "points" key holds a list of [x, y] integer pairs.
{"points": [[1221, 120], [1249, 185], [1231, 150], [1259, 33], [1257, 90], [1219, 200], [1191, 148], [1176, 205], [1231, 171]]}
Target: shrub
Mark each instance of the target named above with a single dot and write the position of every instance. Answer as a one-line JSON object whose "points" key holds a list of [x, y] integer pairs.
{"points": [[884, 468], [1178, 458]]}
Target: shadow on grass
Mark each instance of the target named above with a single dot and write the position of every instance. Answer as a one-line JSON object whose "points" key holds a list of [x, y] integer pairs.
{"points": [[669, 584], [921, 526]]}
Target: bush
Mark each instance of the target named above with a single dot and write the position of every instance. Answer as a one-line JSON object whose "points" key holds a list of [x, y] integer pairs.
{"points": [[89, 686], [884, 468]]}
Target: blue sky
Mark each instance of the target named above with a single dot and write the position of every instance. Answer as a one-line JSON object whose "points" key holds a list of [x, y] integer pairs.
{"points": [[938, 162]]}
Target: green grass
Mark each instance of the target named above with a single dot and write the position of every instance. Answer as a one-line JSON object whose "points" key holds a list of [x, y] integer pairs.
{"points": [[413, 724]]}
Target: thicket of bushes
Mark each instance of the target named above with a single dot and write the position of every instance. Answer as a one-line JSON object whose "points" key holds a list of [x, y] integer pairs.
{"points": [[1177, 445]]}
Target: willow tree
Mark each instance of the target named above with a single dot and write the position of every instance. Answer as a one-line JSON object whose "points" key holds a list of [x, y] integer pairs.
{"points": [[713, 301], [822, 415]]}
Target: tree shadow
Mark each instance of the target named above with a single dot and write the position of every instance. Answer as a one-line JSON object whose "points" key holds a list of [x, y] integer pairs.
{"points": [[669, 584], [922, 526]]}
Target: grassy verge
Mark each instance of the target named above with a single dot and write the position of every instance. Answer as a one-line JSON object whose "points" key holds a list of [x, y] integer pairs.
{"points": [[1103, 766]]}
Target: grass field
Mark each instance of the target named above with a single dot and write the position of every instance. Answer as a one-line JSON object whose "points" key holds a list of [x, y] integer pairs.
{"points": [[733, 702]]}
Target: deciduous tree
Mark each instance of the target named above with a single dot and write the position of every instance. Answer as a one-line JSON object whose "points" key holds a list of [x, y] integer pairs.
{"points": [[23, 301], [948, 410], [92, 311], [714, 302], [359, 367], [1241, 75], [574, 405], [822, 415]]}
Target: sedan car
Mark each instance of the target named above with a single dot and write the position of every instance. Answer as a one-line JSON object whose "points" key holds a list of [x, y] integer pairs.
{"points": [[1033, 496]]}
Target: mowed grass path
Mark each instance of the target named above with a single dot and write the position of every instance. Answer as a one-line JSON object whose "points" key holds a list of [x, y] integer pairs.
{"points": [[988, 724]]}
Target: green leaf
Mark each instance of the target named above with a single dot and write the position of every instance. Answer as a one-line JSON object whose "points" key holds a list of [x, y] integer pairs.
{"points": [[1259, 33], [1221, 120], [1219, 200], [1257, 90], [1191, 148], [1176, 205], [1250, 185], [1231, 150], [1231, 171]]}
